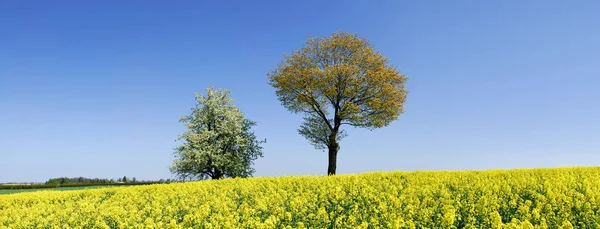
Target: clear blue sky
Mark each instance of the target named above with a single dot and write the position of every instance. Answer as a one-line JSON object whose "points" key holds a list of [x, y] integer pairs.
{"points": [[95, 89]]}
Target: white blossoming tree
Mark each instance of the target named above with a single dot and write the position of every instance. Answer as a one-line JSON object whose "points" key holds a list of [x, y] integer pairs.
{"points": [[218, 142]]}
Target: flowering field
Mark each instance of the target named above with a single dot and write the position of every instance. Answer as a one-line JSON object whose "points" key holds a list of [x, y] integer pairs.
{"points": [[525, 198]]}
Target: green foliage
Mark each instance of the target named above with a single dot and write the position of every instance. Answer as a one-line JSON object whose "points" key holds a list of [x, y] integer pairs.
{"points": [[65, 182], [317, 133], [218, 142], [77, 180]]}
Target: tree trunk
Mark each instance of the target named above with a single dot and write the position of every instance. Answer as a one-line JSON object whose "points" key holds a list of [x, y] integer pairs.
{"points": [[333, 145], [333, 148], [332, 160], [217, 174]]}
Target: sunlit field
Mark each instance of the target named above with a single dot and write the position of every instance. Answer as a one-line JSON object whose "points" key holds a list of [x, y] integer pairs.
{"points": [[523, 198]]}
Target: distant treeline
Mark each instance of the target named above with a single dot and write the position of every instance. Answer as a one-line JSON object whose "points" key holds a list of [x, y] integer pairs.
{"points": [[82, 182]]}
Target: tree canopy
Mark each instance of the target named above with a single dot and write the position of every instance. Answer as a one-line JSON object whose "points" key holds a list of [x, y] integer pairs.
{"points": [[218, 142], [338, 80]]}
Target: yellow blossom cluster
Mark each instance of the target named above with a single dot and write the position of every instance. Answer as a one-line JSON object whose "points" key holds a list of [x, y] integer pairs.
{"points": [[522, 198]]}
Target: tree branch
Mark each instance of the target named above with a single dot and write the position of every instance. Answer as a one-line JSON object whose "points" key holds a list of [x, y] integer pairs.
{"points": [[322, 115], [315, 105]]}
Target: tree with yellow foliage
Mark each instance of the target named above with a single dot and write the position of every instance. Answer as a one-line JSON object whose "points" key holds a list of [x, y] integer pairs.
{"points": [[338, 80]]}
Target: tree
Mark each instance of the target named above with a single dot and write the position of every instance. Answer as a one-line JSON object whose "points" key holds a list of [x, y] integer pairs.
{"points": [[218, 142], [338, 80], [124, 179]]}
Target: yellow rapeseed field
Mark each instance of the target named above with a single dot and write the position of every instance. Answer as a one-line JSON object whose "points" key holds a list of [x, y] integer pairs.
{"points": [[523, 198]]}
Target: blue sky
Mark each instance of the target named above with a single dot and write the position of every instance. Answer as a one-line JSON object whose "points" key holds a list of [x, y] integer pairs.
{"points": [[95, 89]]}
